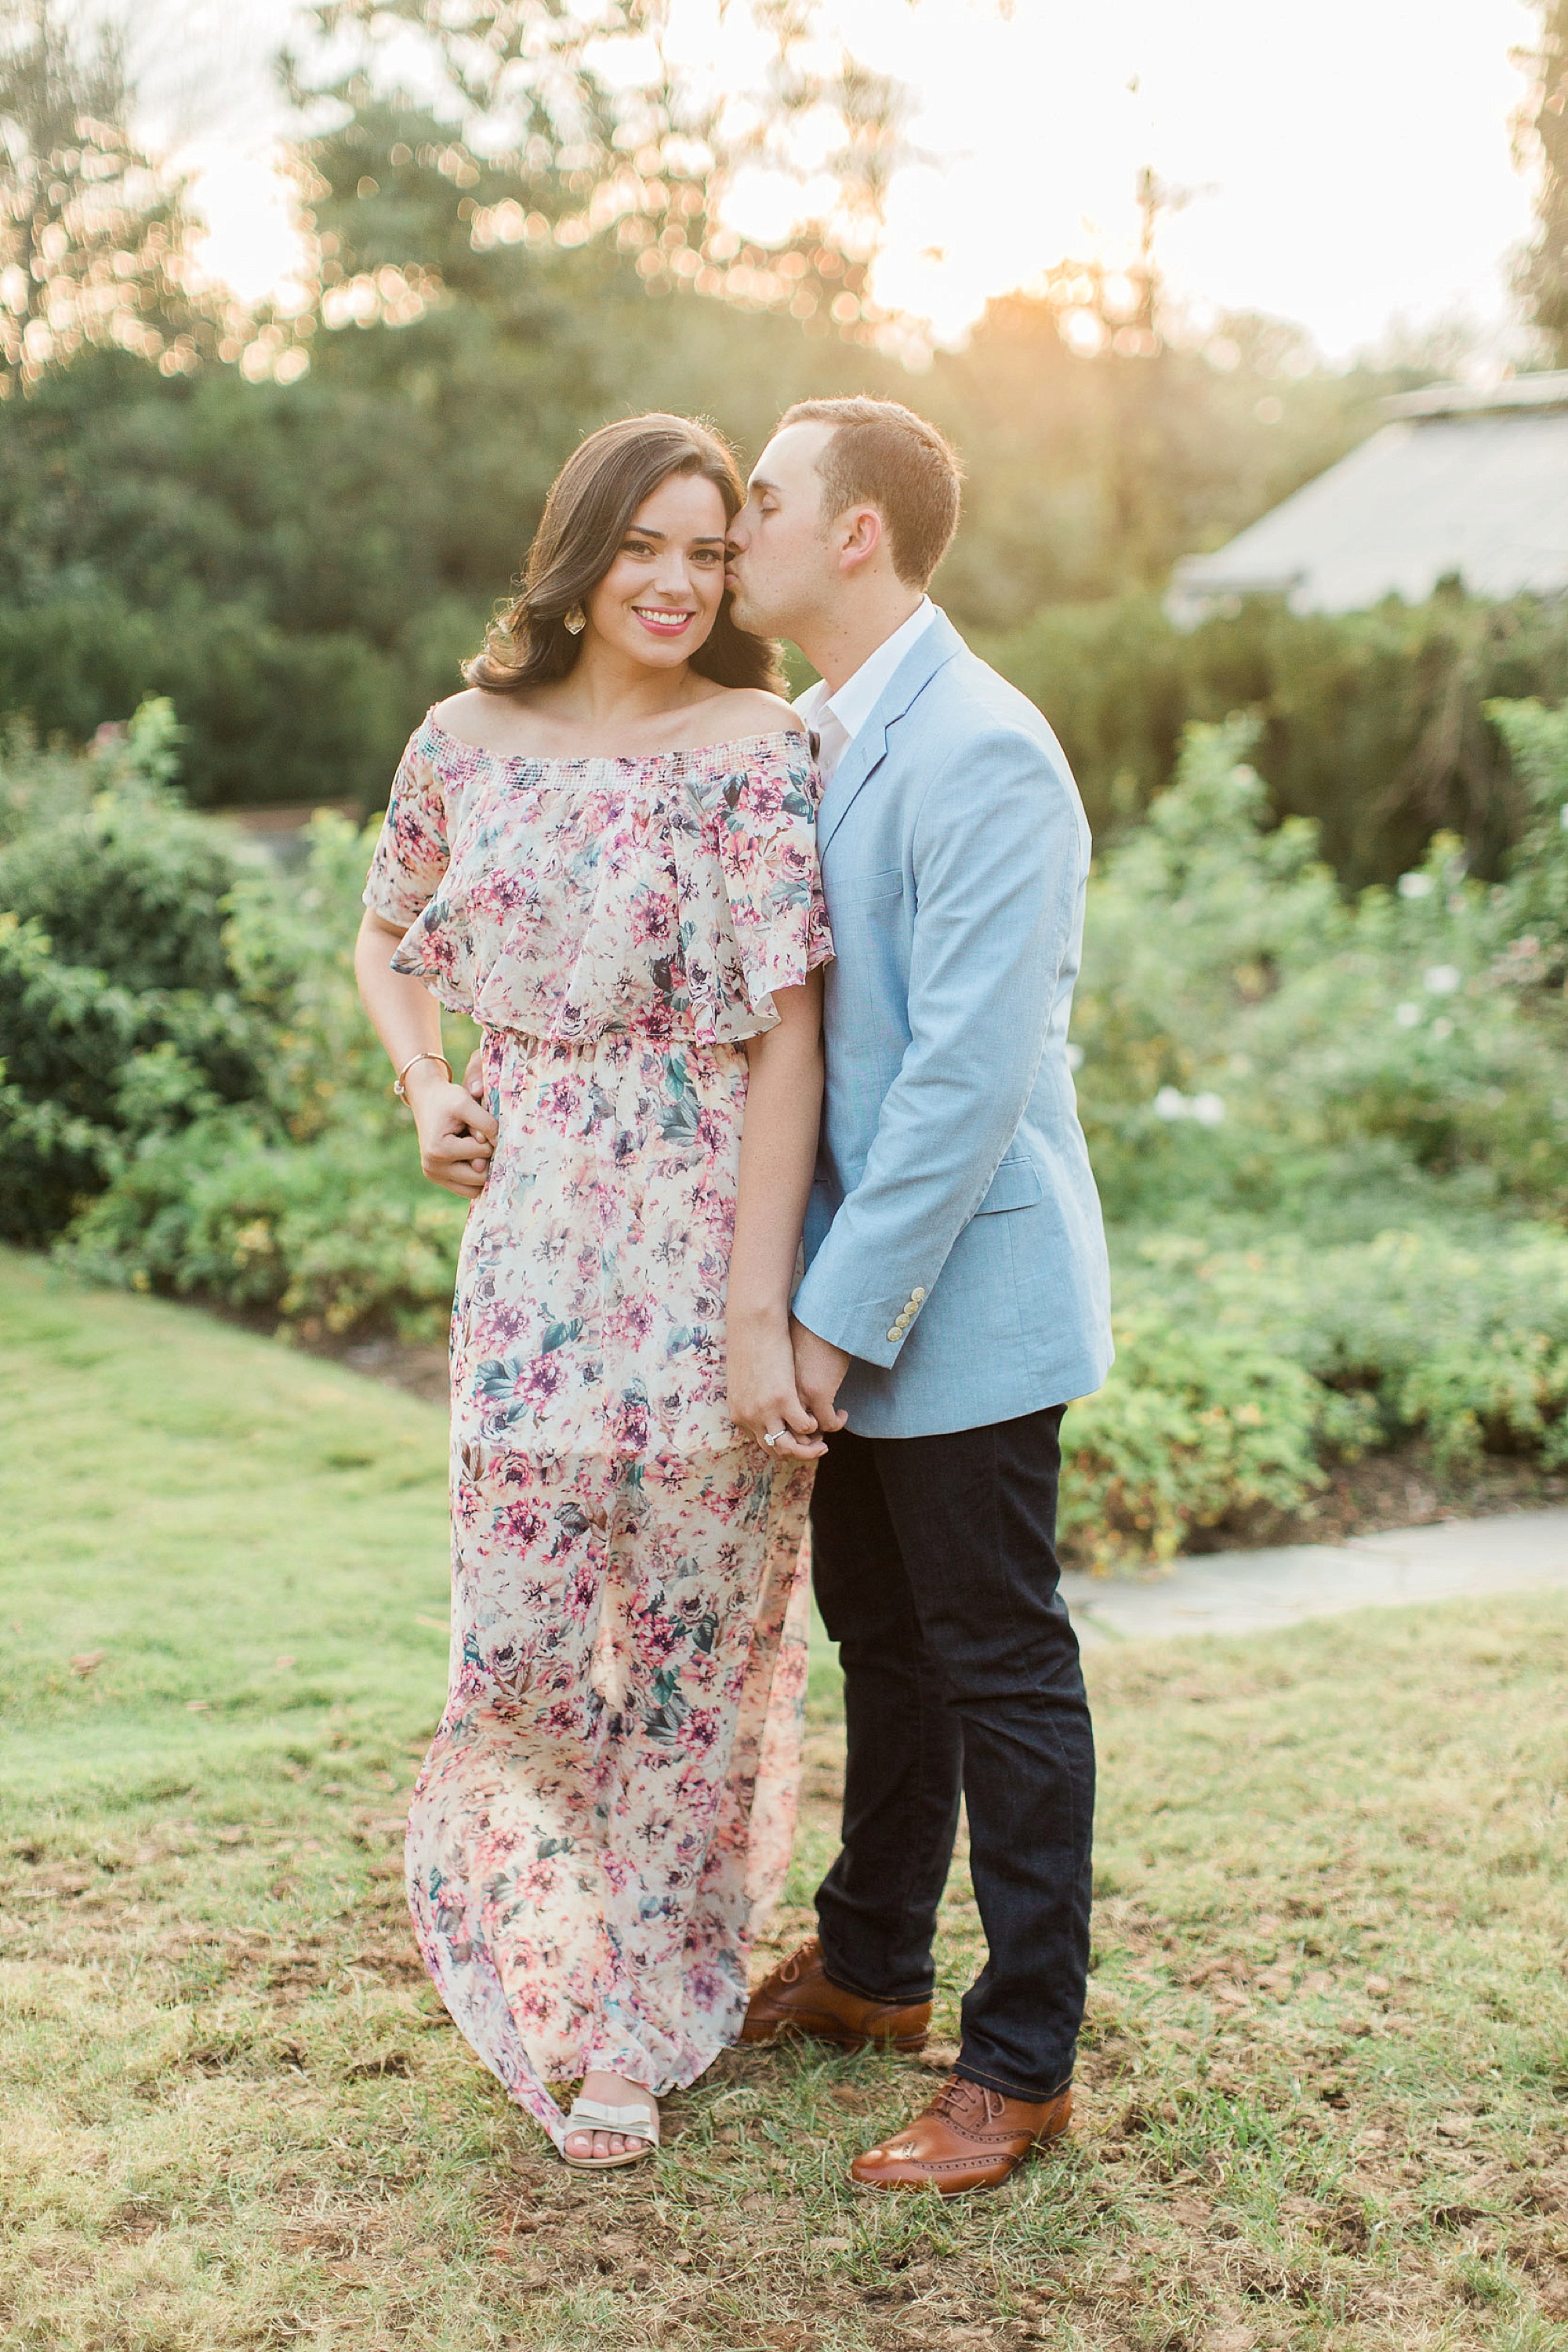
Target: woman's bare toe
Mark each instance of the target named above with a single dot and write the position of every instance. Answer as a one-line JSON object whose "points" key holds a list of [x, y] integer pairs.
{"points": [[612, 2091]]}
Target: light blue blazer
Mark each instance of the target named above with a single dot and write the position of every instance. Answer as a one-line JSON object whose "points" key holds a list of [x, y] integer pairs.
{"points": [[953, 1240]]}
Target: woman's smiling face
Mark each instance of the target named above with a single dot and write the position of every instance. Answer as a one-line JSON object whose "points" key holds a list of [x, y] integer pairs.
{"points": [[660, 597]]}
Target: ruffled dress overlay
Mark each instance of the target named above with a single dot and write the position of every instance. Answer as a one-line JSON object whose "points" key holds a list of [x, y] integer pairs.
{"points": [[607, 1806]]}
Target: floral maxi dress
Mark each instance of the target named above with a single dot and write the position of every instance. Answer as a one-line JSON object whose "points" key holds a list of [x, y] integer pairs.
{"points": [[607, 1806]]}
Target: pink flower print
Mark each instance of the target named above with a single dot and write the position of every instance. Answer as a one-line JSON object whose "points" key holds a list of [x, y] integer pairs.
{"points": [[658, 1638], [649, 921], [755, 805], [543, 1378], [713, 1134], [634, 1320], [628, 1424], [582, 1590], [520, 1525]]}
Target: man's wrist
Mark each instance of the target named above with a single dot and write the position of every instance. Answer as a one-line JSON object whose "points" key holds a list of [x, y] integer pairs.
{"points": [[817, 1340]]}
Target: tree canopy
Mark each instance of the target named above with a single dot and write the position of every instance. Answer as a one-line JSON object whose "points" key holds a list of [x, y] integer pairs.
{"points": [[1542, 129], [93, 236], [294, 524]]}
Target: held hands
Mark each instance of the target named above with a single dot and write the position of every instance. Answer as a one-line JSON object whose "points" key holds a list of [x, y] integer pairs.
{"points": [[456, 1133], [764, 1398], [819, 1370]]}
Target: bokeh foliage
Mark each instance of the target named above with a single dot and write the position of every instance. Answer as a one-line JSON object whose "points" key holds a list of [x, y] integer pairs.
{"points": [[94, 237], [1542, 143], [1374, 725], [297, 540]]}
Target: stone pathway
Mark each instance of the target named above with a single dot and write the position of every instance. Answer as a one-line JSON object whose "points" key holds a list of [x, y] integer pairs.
{"points": [[1249, 1591]]}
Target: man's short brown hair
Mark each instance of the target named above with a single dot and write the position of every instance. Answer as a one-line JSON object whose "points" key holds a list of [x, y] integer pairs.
{"points": [[884, 456]]}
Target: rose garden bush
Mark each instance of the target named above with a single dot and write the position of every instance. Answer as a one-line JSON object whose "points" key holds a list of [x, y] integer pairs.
{"points": [[1331, 1134]]}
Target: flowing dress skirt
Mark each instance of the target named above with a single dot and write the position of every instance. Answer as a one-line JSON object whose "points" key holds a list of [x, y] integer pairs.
{"points": [[606, 1810]]}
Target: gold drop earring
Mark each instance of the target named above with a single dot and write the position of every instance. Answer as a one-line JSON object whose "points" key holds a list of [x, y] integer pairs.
{"points": [[576, 621]]}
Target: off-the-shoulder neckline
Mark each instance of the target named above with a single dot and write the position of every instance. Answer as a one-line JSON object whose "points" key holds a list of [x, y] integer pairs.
{"points": [[611, 759]]}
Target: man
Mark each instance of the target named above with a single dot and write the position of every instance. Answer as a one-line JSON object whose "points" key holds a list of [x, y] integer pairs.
{"points": [[955, 1293]]}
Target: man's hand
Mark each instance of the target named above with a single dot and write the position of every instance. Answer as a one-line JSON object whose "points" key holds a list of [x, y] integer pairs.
{"points": [[819, 1370]]}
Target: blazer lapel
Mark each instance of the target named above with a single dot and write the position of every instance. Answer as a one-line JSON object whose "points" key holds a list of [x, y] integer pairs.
{"points": [[932, 648]]}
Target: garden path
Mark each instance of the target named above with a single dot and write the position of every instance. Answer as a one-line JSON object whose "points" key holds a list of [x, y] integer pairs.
{"points": [[1252, 1591]]}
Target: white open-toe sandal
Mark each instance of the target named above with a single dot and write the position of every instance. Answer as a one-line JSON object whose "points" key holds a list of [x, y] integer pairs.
{"points": [[633, 2121]]}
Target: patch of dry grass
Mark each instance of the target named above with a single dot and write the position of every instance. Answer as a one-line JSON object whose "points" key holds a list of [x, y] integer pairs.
{"points": [[1325, 2086]]}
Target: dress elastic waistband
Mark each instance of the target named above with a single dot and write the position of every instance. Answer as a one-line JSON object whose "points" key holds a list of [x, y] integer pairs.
{"points": [[664, 1041]]}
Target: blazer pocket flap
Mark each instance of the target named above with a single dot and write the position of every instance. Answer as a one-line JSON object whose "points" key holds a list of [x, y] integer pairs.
{"points": [[864, 890], [1017, 1184]]}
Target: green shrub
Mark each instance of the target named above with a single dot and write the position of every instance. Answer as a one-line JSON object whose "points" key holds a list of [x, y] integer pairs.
{"points": [[1373, 724], [290, 942], [1247, 1037], [1240, 1372], [338, 1234], [273, 715], [133, 885], [1535, 902], [39, 786], [118, 1011], [308, 1202], [1193, 1425], [92, 1066], [1355, 1088]]}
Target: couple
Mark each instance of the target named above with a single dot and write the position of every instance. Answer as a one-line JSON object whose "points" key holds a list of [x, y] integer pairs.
{"points": [[655, 886]]}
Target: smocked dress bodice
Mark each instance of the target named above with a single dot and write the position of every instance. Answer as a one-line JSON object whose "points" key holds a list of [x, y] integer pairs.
{"points": [[666, 895]]}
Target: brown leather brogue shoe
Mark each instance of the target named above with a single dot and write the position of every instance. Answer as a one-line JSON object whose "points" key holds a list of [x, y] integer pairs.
{"points": [[798, 1999], [969, 2138]]}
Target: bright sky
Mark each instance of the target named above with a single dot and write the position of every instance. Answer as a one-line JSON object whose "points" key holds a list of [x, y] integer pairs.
{"points": [[1352, 156]]}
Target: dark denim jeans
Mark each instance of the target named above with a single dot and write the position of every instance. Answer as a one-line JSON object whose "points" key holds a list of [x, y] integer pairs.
{"points": [[936, 1574]]}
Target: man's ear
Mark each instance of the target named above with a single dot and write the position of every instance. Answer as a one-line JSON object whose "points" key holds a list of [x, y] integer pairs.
{"points": [[858, 533]]}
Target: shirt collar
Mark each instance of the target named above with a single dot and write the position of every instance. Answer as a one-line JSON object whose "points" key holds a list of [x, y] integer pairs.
{"points": [[858, 695]]}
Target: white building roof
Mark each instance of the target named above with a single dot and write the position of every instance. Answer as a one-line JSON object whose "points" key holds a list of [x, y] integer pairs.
{"points": [[1459, 481]]}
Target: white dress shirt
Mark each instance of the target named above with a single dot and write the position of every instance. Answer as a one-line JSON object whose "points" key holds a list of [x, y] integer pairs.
{"points": [[837, 719]]}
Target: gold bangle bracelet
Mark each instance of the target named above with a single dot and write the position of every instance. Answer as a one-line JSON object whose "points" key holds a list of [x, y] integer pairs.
{"points": [[399, 1090]]}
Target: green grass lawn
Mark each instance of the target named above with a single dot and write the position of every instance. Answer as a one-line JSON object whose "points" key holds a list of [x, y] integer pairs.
{"points": [[1325, 2086]]}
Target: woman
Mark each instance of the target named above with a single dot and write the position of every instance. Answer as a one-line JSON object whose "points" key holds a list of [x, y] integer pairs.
{"points": [[605, 852]]}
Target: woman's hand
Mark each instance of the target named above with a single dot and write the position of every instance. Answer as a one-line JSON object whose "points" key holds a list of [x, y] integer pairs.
{"points": [[764, 1398], [456, 1134]]}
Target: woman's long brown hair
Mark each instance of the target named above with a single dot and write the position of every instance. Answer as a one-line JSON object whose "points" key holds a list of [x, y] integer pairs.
{"points": [[591, 503]]}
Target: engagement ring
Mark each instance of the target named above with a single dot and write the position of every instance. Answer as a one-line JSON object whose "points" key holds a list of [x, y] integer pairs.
{"points": [[772, 1437]]}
